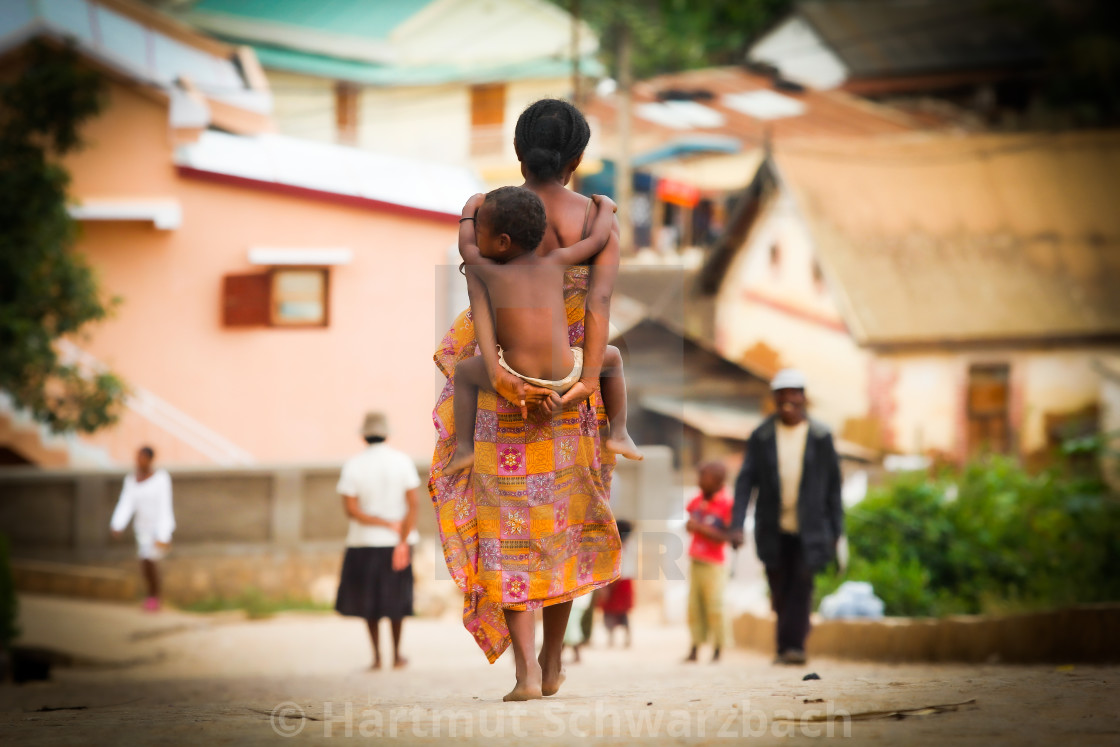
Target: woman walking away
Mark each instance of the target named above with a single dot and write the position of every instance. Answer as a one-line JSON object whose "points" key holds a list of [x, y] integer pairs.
{"points": [[529, 526], [146, 495], [378, 489]]}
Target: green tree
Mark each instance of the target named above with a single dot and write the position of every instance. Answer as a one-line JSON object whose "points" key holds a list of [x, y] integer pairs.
{"points": [[671, 35], [46, 290]]}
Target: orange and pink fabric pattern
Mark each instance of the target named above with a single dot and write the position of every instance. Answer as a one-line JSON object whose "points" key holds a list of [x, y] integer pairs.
{"points": [[531, 524]]}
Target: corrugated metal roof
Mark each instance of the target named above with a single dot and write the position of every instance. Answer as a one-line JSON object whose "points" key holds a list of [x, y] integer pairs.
{"points": [[333, 169], [800, 114], [889, 37], [966, 238], [132, 46]]}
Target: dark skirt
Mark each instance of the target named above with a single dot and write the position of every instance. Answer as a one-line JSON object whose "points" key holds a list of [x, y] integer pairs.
{"points": [[369, 587]]}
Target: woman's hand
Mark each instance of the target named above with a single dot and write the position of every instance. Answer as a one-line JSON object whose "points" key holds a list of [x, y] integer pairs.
{"points": [[401, 557], [524, 396]]}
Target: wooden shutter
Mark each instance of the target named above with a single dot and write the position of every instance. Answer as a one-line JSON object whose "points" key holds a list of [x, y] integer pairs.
{"points": [[488, 105], [488, 114], [246, 300], [346, 113]]}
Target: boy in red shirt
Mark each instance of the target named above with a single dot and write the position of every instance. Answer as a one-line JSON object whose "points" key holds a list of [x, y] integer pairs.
{"points": [[709, 516]]}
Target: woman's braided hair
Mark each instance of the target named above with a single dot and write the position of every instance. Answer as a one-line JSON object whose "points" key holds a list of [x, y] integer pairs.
{"points": [[550, 133]]}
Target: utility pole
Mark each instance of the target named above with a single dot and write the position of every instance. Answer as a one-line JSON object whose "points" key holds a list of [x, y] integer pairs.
{"points": [[623, 176], [576, 92]]}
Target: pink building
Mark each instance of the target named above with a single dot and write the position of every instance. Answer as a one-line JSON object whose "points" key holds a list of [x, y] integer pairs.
{"points": [[273, 289]]}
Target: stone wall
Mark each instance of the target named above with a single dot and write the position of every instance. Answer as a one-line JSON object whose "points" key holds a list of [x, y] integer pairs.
{"points": [[276, 531]]}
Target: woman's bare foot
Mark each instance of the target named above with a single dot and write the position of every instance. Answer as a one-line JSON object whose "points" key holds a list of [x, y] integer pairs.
{"points": [[552, 676], [623, 445], [460, 460], [376, 664], [400, 662], [529, 689]]}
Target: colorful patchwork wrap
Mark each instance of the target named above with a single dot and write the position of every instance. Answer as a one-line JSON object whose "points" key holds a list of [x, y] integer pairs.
{"points": [[531, 524]]}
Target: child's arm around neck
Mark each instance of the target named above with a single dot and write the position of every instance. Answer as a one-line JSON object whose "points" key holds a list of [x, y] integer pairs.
{"points": [[582, 251]]}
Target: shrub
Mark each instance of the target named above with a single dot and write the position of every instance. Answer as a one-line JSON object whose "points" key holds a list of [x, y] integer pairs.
{"points": [[990, 537]]}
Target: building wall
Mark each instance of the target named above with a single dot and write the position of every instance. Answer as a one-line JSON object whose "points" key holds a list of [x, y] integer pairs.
{"points": [[282, 395], [783, 306], [303, 106], [928, 394], [428, 122]]}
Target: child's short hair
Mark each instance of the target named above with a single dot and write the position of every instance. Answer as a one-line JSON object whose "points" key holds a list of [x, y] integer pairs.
{"points": [[519, 213]]}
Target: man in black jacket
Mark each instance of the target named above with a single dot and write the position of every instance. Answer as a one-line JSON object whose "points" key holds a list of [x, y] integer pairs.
{"points": [[798, 516]]}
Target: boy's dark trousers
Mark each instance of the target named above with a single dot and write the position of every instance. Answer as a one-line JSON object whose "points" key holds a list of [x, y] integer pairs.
{"points": [[791, 593]]}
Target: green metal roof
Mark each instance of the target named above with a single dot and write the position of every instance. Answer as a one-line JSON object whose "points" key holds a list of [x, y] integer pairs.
{"points": [[371, 19], [355, 71]]}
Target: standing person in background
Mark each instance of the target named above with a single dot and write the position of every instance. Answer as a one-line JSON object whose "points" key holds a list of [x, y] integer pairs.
{"points": [[709, 515], [618, 598], [147, 496], [799, 518], [378, 489]]}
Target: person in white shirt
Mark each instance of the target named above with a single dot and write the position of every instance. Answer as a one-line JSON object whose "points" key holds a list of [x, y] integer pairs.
{"points": [[146, 501], [379, 494]]}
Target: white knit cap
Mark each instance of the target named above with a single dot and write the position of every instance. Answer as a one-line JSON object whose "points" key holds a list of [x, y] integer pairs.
{"points": [[787, 378]]}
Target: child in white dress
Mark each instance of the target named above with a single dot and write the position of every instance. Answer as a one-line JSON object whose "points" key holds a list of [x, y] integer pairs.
{"points": [[146, 501]]}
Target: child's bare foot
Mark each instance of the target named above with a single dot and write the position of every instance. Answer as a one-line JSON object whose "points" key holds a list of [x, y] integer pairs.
{"points": [[530, 689], [623, 445], [552, 676], [400, 662], [460, 460]]}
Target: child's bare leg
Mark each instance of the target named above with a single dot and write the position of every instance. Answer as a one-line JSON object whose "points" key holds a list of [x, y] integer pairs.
{"points": [[470, 376], [613, 385], [552, 670], [522, 631]]}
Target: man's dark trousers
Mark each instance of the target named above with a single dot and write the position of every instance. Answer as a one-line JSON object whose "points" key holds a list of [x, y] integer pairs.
{"points": [[791, 593]]}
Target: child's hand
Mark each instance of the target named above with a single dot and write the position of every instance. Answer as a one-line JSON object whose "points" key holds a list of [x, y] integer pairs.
{"points": [[396, 526], [472, 205], [582, 390], [163, 546], [603, 201]]}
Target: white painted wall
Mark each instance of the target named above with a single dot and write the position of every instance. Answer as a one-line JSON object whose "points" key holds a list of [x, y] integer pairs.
{"points": [[930, 390], [836, 367], [303, 105], [800, 54], [428, 122]]}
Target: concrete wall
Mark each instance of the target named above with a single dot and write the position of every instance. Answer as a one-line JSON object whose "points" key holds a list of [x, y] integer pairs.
{"points": [[1079, 634], [63, 515], [277, 530]]}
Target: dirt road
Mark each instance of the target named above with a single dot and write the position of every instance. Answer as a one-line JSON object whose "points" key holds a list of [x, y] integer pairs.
{"points": [[174, 678]]}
